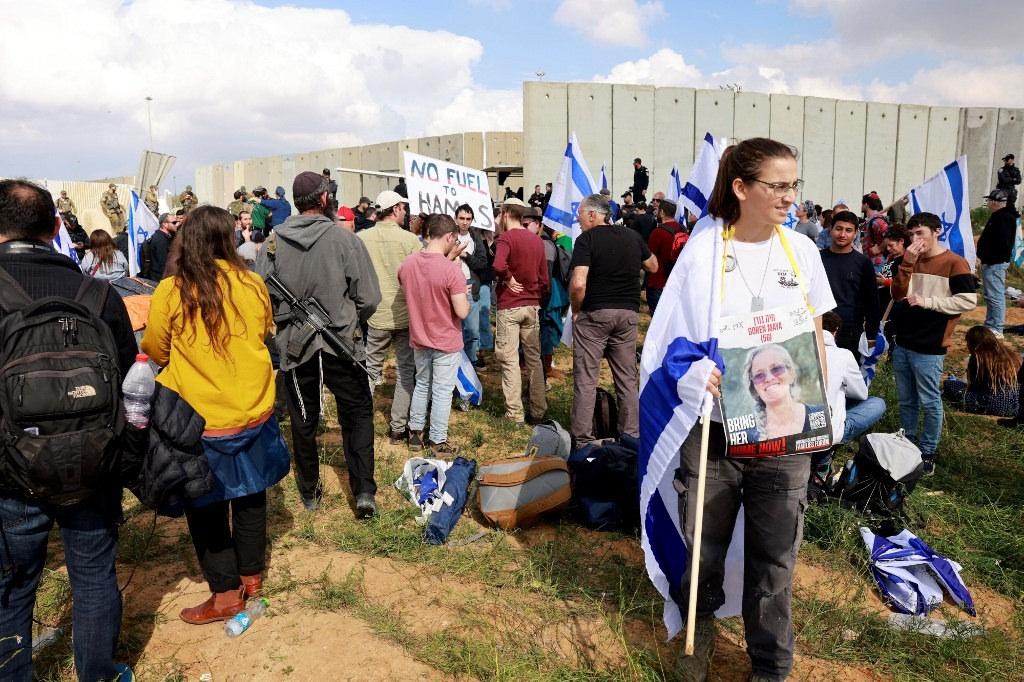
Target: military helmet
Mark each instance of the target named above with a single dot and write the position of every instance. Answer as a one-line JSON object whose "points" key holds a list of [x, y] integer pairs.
{"points": [[112, 186], [188, 188]]}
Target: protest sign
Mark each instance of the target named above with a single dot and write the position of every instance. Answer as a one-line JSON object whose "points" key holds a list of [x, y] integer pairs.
{"points": [[437, 186], [773, 395]]}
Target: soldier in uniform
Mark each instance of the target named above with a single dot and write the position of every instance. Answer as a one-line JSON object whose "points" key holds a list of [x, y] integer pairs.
{"points": [[65, 206], [111, 207], [188, 199], [152, 200]]}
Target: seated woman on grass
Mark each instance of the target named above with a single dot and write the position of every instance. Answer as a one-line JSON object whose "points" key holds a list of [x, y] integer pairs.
{"points": [[991, 382]]}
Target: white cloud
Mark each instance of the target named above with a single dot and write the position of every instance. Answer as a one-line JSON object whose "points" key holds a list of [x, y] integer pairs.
{"points": [[664, 67], [229, 79], [612, 22]]}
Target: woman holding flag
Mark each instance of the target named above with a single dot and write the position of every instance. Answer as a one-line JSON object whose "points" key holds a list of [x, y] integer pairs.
{"points": [[753, 265]]}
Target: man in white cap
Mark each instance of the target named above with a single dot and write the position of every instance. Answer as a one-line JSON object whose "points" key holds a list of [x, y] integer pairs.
{"points": [[388, 245]]}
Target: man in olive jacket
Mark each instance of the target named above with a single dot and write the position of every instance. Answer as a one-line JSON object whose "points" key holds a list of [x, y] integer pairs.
{"points": [[314, 257]]}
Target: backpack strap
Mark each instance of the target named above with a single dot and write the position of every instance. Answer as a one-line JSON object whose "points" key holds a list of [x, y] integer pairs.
{"points": [[92, 294], [12, 296]]}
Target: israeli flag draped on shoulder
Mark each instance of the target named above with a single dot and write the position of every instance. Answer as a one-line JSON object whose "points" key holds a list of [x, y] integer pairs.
{"points": [[62, 242], [142, 224], [945, 195], [573, 184], [680, 351], [468, 383]]}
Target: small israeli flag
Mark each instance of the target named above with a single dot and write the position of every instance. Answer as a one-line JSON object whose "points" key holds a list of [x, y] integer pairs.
{"points": [[604, 177], [62, 242], [467, 383], [791, 219], [675, 192], [696, 193], [574, 182], [142, 224], [945, 195]]}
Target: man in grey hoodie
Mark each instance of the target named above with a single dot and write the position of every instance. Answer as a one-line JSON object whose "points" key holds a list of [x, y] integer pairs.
{"points": [[314, 257]]}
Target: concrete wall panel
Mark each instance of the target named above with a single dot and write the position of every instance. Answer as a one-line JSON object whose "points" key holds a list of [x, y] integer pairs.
{"points": [[848, 164], [545, 130], [673, 134], [590, 116], [880, 158], [500, 150], [786, 123], [943, 126], [978, 127], [428, 146], [713, 112], [752, 115], [632, 137], [451, 148], [819, 149], [911, 147], [350, 185], [473, 150], [1009, 140]]}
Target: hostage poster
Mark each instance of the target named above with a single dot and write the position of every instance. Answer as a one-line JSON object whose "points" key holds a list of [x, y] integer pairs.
{"points": [[773, 395]]}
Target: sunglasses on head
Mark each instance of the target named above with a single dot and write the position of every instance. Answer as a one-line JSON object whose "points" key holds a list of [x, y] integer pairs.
{"points": [[776, 371]]}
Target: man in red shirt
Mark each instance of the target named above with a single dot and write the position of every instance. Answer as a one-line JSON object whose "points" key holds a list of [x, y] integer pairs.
{"points": [[436, 312], [660, 244], [521, 273]]}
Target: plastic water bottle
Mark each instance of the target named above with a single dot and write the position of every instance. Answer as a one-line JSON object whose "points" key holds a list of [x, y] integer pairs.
{"points": [[138, 389], [242, 621]]}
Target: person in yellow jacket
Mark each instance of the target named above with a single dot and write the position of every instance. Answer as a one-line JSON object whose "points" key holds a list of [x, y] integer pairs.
{"points": [[206, 328]]}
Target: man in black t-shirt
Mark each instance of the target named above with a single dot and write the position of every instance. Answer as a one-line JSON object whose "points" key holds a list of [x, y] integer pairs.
{"points": [[160, 245], [604, 291]]}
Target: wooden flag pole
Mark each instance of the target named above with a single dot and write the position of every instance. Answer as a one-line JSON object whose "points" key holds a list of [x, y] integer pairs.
{"points": [[698, 523]]}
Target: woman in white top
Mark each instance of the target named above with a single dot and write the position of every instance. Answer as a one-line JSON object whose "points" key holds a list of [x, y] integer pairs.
{"points": [[764, 267], [103, 260]]}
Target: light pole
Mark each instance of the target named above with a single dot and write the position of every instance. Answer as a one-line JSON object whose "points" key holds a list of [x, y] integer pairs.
{"points": [[149, 118]]}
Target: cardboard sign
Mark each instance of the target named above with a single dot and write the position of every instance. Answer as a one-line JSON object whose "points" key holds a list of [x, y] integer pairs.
{"points": [[773, 393], [437, 186]]}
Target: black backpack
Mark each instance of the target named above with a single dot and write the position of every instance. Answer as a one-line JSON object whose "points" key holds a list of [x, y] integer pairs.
{"points": [[880, 476], [60, 394], [604, 484], [146, 259]]}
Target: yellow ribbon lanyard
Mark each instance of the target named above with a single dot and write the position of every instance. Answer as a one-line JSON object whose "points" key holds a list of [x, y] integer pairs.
{"points": [[729, 233]]}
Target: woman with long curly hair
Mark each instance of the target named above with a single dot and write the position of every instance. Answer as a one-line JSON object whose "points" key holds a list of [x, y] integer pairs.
{"points": [[207, 326], [991, 385], [103, 260]]}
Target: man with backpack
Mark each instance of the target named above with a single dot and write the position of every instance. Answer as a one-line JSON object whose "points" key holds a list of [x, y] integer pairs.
{"points": [[662, 244], [157, 249], [75, 392]]}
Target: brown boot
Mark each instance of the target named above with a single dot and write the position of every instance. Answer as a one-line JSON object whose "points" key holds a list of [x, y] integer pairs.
{"points": [[253, 585], [220, 606]]}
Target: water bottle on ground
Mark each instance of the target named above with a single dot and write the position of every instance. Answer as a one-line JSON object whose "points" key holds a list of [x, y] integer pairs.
{"points": [[241, 622], [137, 391]]}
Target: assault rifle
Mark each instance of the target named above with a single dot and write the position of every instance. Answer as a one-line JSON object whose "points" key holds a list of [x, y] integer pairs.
{"points": [[311, 318]]}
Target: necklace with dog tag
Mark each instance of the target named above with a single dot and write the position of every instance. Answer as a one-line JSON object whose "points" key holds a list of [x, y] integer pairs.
{"points": [[756, 304]]}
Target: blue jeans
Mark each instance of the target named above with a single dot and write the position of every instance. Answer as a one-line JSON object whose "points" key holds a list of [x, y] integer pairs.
{"points": [[483, 308], [918, 376], [471, 326], [653, 296], [435, 381], [861, 415], [993, 282], [89, 533]]}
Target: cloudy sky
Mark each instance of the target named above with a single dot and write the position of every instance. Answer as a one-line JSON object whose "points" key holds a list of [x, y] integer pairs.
{"points": [[233, 79]]}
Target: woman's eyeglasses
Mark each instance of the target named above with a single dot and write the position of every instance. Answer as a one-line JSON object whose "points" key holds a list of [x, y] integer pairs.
{"points": [[776, 371], [781, 189]]}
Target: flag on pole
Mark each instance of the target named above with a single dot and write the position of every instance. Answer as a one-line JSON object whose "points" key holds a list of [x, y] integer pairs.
{"points": [[142, 224], [675, 192], [467, 383], [574, 182], [945, 195], [62, 242], [680, 351], [604, 177]]}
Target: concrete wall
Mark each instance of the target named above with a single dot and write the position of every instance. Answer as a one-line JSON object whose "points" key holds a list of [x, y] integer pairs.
{"points": [[215, 184], [846, 148]]}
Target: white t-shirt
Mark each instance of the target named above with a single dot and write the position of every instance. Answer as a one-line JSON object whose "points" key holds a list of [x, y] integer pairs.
{"points": [[781, 286], [467, 240]]}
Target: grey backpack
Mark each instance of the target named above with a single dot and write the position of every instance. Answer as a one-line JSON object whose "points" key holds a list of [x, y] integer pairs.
{"points": [[549, 439]]}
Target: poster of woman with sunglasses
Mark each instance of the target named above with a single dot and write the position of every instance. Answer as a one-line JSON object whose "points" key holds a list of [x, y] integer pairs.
{"points": [[773, 394]]}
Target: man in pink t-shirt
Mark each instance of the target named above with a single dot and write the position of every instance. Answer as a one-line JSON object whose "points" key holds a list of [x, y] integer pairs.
{"points": [[437, 302]]}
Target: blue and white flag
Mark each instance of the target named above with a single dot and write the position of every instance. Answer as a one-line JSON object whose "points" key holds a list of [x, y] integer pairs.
{"points": [[791, 220], [675, 191], [574, 182], [62, 242], [911, 575], [604, 177], [945, 195], [467, 383], [871, 356], [696, 193], [142, 224], [680, 351]]}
